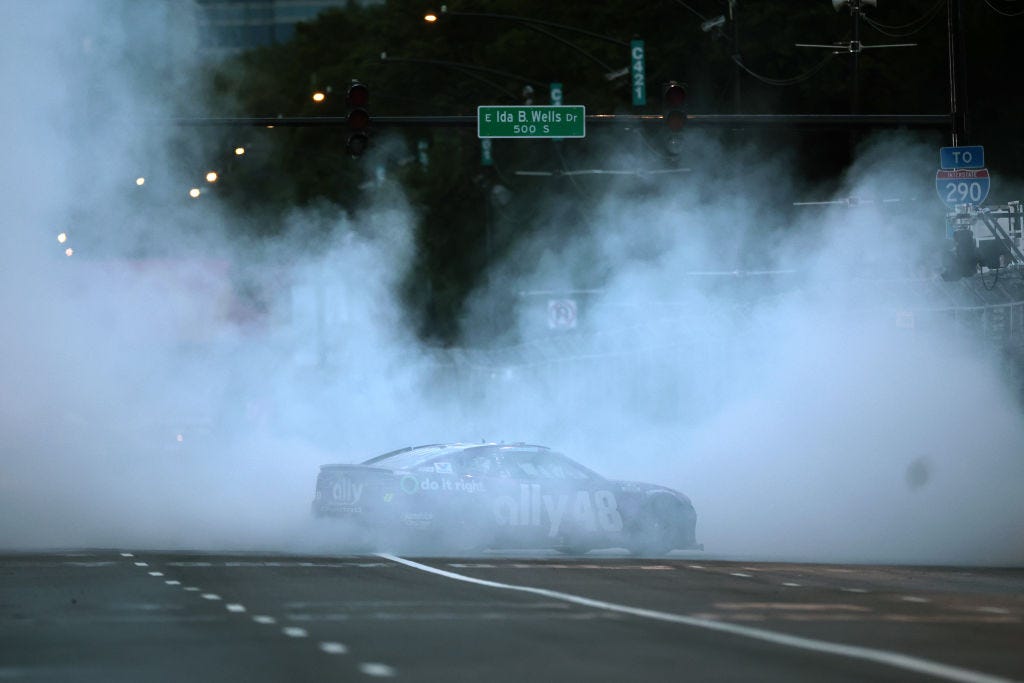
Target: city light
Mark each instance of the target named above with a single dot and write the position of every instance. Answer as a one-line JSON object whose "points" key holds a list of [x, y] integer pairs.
{"points": [[319, 96], [194, 192], [140, 181], [430, 18], [211, 177], [62, 237], [69, 251], [239, 151]]}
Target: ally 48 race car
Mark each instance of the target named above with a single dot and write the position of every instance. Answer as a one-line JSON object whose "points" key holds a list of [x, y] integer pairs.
{"points": [[462, 497]]}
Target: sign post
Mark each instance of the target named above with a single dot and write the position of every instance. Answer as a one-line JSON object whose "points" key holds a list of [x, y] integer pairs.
{"points": [[535, 121]]}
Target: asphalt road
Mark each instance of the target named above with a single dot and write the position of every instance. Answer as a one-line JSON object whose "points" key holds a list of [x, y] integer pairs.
{"points": [[151, 616]]}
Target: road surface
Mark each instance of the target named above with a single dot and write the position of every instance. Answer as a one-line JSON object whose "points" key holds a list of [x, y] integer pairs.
{"points": [[132, 615]]}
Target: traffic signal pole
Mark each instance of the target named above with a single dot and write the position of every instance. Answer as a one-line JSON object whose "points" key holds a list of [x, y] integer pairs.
{"points": [[825, 121], [957, 86]]}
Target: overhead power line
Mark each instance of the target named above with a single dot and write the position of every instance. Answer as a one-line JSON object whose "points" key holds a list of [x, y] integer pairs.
{"points": [[1004, 13], [783, 82], [909, 28]]}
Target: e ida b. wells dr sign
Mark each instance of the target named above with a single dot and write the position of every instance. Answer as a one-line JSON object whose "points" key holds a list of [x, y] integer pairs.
{"points": [[539, 121]]}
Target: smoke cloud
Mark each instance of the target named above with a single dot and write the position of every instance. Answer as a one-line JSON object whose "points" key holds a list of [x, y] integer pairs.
{"points": [[170, 385]]}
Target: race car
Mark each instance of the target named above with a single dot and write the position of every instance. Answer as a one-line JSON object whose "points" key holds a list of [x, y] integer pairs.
{"points": [[466, 497]]}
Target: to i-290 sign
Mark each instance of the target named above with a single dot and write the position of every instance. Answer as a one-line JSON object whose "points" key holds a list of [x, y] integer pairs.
{"points": [[565, 121]]}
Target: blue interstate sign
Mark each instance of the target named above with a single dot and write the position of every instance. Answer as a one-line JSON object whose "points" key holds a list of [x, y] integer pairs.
{"points": [[962, 157], [962, 186]]}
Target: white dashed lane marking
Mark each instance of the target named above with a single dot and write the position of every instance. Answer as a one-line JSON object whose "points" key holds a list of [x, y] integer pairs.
{"points": [[913, 598], [377, 669], [332, 648], [740, 574], [854, 590], [127, 555], [791, 584]]}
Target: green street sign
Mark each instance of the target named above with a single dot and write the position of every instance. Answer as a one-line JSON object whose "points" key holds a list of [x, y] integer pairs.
{"points": [[566, 121], [637, 73]]}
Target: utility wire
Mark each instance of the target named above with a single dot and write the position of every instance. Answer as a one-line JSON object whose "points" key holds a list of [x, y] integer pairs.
{"points": [[699, 15], [782, 82], [909, 24], [1003, 12], [908, 29]]}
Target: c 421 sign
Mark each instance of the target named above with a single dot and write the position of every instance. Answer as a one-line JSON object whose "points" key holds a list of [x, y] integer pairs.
{"points": [[565, 121]]}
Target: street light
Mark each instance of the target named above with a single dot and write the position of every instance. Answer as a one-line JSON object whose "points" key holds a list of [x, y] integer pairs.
{"points": [[319, 97], [211, 177], [140, 181]]}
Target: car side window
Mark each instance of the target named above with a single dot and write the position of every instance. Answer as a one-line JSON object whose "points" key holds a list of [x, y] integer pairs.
{"points": [[480, 465]]}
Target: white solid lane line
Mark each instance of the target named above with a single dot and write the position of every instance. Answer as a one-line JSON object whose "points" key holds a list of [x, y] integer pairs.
{"points": [[885, 657]]}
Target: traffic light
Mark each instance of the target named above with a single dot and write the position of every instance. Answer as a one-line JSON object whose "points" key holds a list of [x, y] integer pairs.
{"points": [[673, 99], [358, 100]]}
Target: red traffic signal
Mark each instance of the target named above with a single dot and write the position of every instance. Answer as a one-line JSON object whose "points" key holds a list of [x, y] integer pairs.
{"points": [[358, 119], [673, 98], [358, 95]]}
